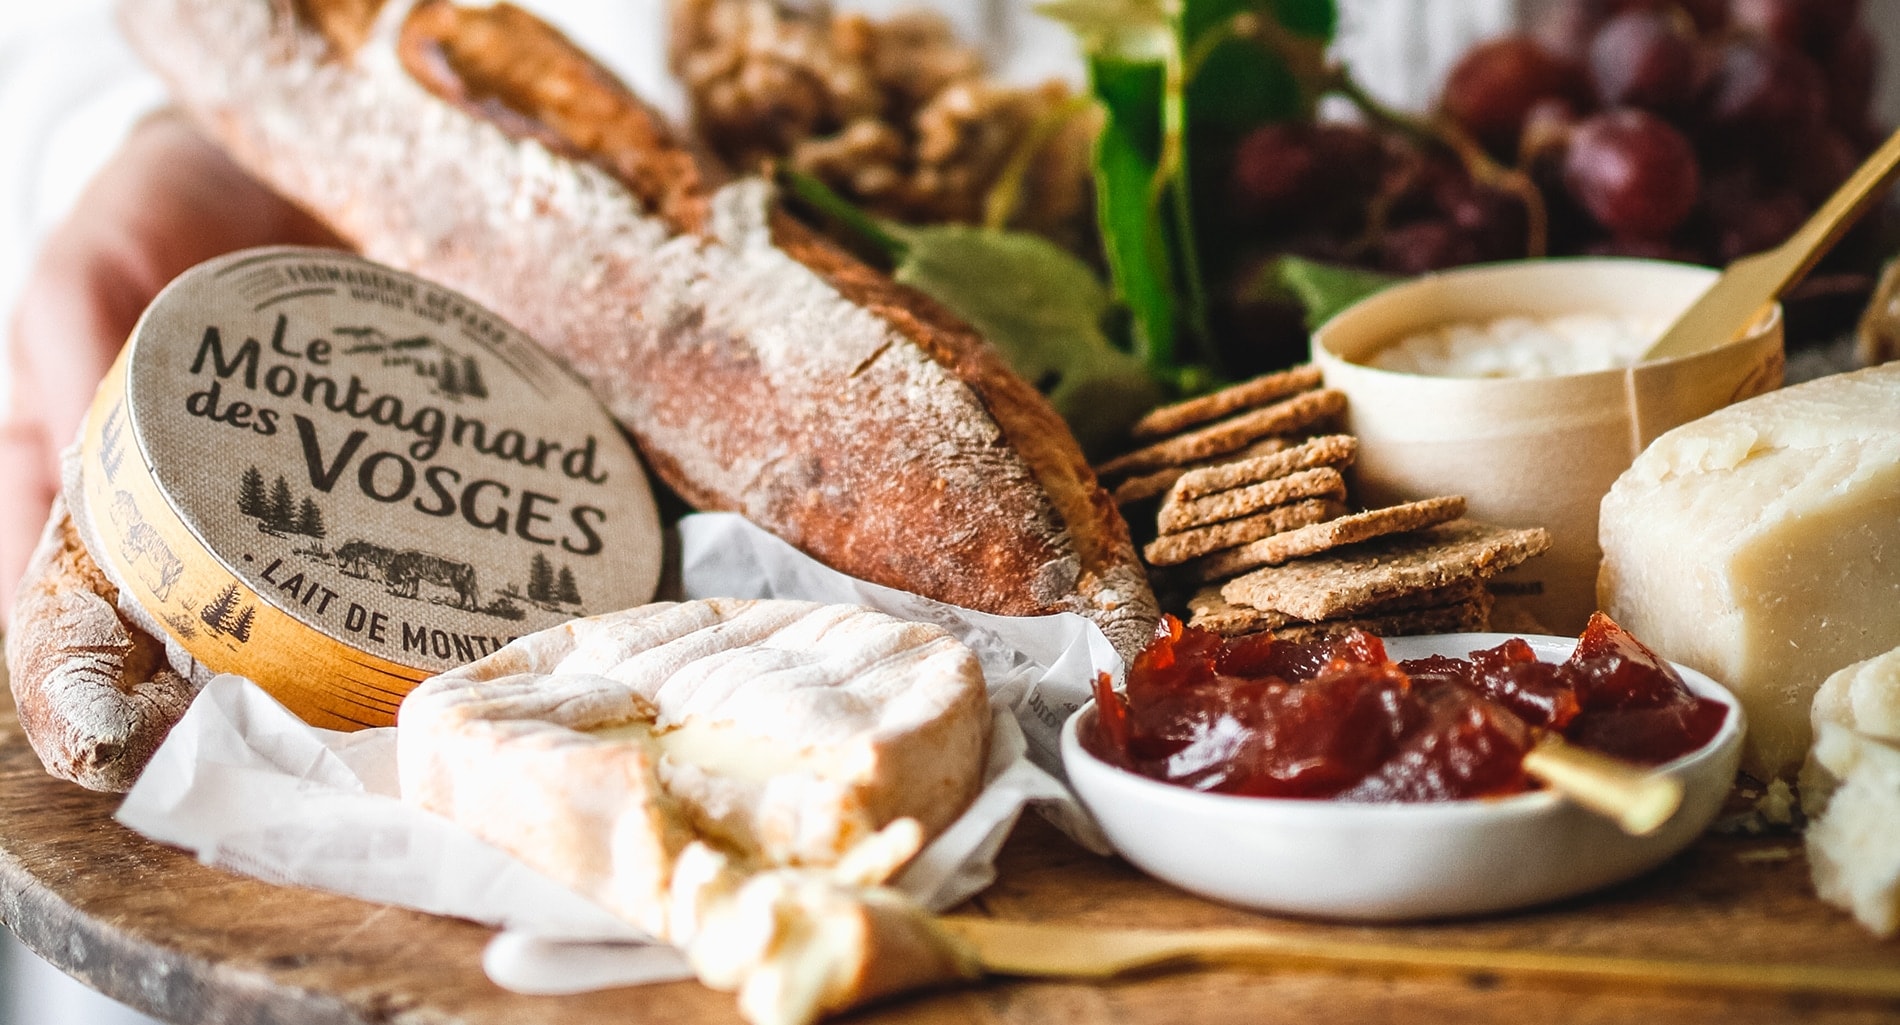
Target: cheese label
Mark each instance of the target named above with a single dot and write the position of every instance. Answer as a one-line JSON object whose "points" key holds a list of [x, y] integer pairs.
{"points": [[338, 479]]}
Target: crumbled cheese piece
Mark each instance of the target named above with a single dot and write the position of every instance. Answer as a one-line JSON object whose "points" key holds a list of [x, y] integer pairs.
{"points": [[1851, 786], [1778, 804]]}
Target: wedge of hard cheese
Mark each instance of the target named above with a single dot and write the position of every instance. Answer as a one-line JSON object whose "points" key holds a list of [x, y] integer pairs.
{"points": [[1850, 788], [1761, 545], [723, 770]]}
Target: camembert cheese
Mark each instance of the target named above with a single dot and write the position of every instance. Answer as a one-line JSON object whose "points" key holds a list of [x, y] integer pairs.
{"points": [[718, 769], [1761, 545]]}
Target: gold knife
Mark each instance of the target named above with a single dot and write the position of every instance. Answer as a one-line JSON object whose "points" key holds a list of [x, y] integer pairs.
{"points": [[1751, 283], [1038, 950]]}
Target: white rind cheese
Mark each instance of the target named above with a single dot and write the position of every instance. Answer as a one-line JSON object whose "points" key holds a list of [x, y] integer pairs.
{"points": [[722, 767], [1761, 545]]}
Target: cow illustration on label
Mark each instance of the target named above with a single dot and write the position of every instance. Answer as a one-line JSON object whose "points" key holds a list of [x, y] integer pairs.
{"points": [[140, 544], [407, 571], [363, 560]]}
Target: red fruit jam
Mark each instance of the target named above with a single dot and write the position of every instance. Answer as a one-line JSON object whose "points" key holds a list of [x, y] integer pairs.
{"points": [[1338, 719]]}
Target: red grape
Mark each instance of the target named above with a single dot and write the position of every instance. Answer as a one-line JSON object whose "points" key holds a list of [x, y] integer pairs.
{"points": [[1758, 86], [1297, 167], [1273, 167], [1645, 59], [1566, 29], [1812, 25], [1763, 224], [1490, 219], [1491, 88], [1850, 79], [1425, 246], [1634, 172], [1820, 160], [1708, 15], [1547, 129], [1749, 214]]}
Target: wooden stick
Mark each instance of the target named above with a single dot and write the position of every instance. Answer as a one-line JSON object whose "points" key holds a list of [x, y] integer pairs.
{"points": [[1059, 951], [1638, 800]]}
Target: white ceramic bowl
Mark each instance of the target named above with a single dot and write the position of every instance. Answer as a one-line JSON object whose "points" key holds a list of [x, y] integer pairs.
{"points": [[1388, 862]]}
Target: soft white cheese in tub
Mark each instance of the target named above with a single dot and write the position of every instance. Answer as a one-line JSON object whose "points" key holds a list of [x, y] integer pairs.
{"points": [[1575, 343]]}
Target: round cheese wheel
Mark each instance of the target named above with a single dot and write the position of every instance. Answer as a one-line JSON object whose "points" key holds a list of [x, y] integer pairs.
{"points": [[780, 733]]}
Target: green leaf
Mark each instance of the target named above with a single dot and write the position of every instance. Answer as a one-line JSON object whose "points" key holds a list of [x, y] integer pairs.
{"points": [[1323, 288], [1316, 19], [1135, 239], [1237, 86], [1129, 30], [1043, 309]]}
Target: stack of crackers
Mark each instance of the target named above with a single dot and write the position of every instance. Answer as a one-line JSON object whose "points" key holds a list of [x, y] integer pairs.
{"points": [[1254, 520]]}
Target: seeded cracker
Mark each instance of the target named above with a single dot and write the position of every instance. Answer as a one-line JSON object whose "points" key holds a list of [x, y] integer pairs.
{"points": [[1173, 549], [1227, 436], [1156, 484], [1356, 576], [1335, 533], [1261, 390], [1324, 482], [1213, 612], [1335, 450], [1464, 617]]}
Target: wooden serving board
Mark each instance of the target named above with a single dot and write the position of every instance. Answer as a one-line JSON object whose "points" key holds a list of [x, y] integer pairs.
{"points": [[150, 926]]}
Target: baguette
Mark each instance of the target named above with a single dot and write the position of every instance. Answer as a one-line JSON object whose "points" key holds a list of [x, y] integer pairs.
{"points": [[95, 694], [759, 367]]}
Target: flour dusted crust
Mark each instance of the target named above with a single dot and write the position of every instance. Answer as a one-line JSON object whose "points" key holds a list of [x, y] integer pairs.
{"points": [[760, 368], [95, 694], [844, 740]]}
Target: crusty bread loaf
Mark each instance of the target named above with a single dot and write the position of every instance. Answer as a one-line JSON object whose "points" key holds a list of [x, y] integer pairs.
{"points": [[94, 693], [759, 367]]}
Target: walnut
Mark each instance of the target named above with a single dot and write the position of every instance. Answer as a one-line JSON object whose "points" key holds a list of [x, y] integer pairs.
{"points": [[897, 116]]}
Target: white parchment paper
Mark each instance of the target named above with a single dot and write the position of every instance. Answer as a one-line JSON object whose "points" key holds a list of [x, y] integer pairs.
{"points": [[249, 787]]}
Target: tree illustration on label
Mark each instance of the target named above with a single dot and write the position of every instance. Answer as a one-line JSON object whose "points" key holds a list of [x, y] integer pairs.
{"points": [[111, 441], [251, 500], [278, 511], [472, 383], [566, 590], [310, 518], [223, 615], [452, 374], [541, 580]]}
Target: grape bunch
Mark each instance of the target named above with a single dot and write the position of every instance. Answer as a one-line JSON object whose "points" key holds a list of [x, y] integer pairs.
{"points": [[1692, 130], [1698, 130]]}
